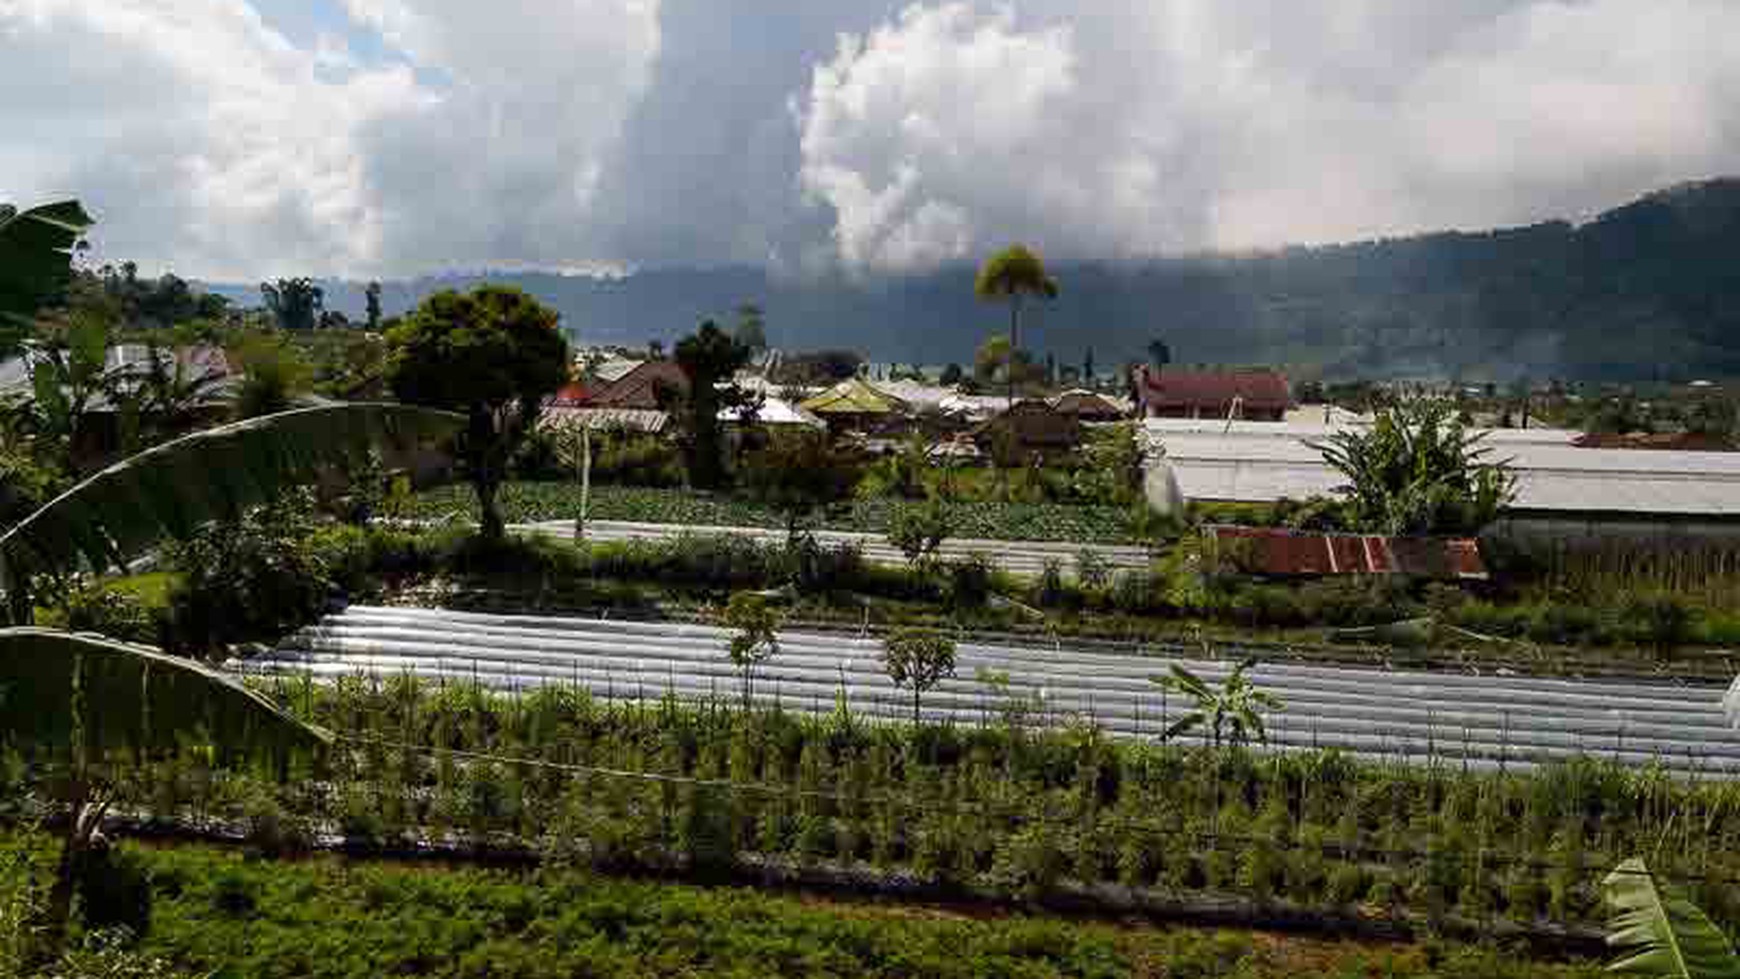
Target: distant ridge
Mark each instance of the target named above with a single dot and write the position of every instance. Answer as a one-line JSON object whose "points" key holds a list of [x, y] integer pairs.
{"points": [[1648, 290]]}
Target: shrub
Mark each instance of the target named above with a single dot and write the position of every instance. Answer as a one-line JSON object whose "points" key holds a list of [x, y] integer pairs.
{"points": [[918, 531], [253, 579], [116, 612], [969, 581]]}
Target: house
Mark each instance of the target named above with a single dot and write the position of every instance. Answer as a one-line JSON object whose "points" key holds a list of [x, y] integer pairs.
{"points": [[1089, 406], [647, 387], [1246, 395], [1030, 431], [854, 405]]}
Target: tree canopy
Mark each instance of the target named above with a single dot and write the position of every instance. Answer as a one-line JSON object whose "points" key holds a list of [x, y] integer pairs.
{"points": [[493, 354], [1418, 470], [710, 359]]}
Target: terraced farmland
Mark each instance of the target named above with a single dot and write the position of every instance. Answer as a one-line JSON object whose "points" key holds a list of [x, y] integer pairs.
{"points": [[1477, 721]]}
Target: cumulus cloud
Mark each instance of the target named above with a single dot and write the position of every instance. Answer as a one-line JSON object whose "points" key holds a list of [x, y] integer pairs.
{"points": [[208, 142], [1182, 125]]}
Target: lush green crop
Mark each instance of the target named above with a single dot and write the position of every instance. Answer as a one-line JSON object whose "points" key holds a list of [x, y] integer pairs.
{"points": [[215, 909], [1003, 807], [533, 501]]}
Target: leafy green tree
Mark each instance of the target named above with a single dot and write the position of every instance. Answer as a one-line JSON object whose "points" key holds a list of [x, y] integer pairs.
{"points": [[1012, 275], [951, 375], [751, 329], [918, 531], [1660, 933], [917, 660], [1231, 712], [710, 359], [755, 640], [798, 473], [1087, 367], [493, 354], [1418, 470], [372, 295], [295, 304], [274, 375], [36, 248]]}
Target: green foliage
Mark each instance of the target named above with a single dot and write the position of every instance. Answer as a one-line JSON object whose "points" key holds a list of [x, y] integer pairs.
{"points": [[918, 531], [755, 639], [751, 328], [798, 473], [275, 375], [917, 660], [252, 579], [494, 355], [36, 247], [1418, 471], [710, 359], [173, 490], [295, 304], [1233, 711], [1661, 933]]}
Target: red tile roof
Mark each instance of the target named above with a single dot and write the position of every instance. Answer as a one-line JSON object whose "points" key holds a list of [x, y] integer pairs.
{"points": [[1214, 391], [1273, 551]]}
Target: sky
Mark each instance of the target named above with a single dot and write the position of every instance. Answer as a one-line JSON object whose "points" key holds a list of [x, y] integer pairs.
{"points": [[243, 139]]}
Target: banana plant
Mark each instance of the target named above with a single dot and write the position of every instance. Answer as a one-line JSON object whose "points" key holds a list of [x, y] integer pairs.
{"points": [[1660, 933], [1233, 711], [36, 249], [87, 704], [173, 489]]}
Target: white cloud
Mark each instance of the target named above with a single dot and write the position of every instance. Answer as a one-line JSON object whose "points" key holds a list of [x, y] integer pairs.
{"points": [[1191, 124], [207, 142]]}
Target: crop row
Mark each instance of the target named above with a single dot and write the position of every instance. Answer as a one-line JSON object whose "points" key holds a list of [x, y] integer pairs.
{"points": [[1002, 808]]}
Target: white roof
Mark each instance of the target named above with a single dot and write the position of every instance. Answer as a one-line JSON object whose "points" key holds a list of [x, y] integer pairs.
{"points": [[915, 393], [1262, 462], [606, 419], [776, 411]]}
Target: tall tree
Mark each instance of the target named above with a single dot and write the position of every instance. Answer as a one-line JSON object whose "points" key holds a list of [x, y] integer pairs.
{"points": [[493, 354], [295, 304], [710, 359], [372, 295], [1087, 367], [1159, 354], [751, 329], [1011, 276]]}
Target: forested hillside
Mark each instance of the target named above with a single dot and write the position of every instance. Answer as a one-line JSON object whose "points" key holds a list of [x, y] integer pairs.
{"points": [[1648, 290]]}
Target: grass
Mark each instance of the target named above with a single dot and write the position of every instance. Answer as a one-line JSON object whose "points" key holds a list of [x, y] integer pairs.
{"points": [[216, 909], [534, 501]]}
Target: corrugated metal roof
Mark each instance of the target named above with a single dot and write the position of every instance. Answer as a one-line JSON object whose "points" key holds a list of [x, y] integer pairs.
{"points": [[1275, 551], [607, 419], [1262, 462]]}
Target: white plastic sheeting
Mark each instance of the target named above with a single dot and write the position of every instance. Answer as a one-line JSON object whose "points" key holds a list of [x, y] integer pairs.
{"points": [[1263, 462], [1478, 721]]}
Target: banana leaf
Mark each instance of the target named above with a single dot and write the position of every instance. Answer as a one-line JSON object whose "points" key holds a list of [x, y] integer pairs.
{"points": [[63, 691], [36, 255], [1661, 933], [175, 488]]}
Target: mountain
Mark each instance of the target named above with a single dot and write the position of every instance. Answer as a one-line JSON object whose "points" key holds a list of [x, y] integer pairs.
{"points": [[1645, 291]]}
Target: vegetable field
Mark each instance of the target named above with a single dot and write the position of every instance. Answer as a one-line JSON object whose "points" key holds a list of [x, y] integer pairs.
{"points": [[1004, 809], [530, 502], [357, 919]]}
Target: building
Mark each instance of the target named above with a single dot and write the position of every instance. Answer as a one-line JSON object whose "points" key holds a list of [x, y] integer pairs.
{"points": [[854, 405], [1030, 431], [1090, 406], [1247, 395], [1563, 490], [646, 387]]}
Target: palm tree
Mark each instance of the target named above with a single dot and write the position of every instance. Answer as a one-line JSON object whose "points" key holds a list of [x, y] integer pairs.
{"points": [[1231, 711], [1660, 932], [1013, 274]]}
